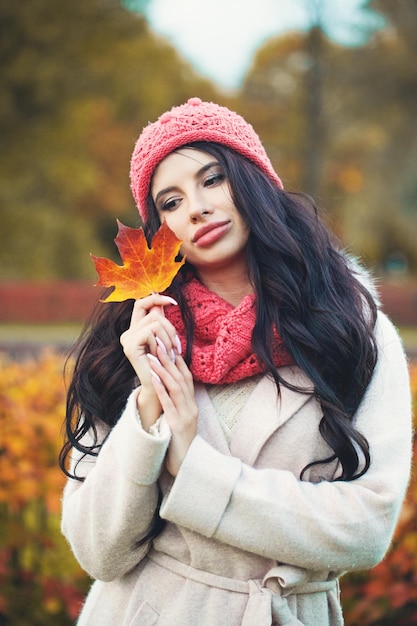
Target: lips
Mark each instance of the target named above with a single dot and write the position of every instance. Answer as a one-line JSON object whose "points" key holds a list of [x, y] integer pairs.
{"points": [[214, 228]]}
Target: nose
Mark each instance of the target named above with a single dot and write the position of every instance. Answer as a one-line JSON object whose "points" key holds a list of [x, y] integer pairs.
{"points": [[199, 209]]}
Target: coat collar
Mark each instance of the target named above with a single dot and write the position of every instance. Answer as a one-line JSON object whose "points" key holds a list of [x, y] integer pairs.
{"points": [[264, 413]]}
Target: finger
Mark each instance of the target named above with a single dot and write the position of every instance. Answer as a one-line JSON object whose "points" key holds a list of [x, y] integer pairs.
{"points": [[168, 373], [178, 384], [177, 413], [166, 335], [156, 377], [168, 351], [184, 370], [182, 375], [144, 305], [162, 393], [156, 320], [148, 333], [163, 340]]}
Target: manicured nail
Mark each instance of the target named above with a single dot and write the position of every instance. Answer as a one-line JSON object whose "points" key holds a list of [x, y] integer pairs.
{"points": [[161, 345], [153, 359], [155, 375], [178, 344], [172, 301], [172, 355]]}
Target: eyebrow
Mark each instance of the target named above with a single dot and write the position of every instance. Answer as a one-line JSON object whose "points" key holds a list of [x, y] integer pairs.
{"points": [[199, 173]]}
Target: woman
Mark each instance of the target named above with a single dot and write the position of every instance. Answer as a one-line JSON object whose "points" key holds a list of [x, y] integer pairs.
{"points": [[242, 440]]}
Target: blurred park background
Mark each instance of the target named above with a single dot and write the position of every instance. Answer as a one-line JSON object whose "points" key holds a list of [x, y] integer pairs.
{"points": [[79, 80]]}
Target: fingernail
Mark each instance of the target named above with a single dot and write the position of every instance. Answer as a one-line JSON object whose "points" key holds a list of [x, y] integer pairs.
{"points": [[172, 300], [178, 344], [153, 359], [155, 375], [161, 345], [172, 355]]}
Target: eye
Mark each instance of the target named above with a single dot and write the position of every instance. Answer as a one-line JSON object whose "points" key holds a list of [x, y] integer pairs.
{"points": [[214, 179], [170, 204]]}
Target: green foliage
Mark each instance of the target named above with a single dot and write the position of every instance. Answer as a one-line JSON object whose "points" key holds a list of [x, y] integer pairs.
{"points": [[339, 123], [78, 84], [81, 80]]}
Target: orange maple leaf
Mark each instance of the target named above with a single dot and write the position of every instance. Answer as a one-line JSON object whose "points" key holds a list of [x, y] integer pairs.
{"points": [[145, 270]]}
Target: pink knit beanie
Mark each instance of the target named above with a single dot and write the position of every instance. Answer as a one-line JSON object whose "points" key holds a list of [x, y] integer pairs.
{"points": [[193, 121]]}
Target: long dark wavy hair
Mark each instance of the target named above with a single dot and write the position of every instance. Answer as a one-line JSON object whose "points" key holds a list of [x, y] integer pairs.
{"points": [[305, 286]]}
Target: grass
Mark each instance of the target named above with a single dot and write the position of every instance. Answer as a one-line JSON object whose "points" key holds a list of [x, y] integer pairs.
{"points": [[39, 333], [66, 334]]}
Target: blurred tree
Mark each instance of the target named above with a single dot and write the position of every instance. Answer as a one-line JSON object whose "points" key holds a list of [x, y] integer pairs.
{"points": [[290, 75], [272, 98], [380, 140], [79, 81], [335, 119]]}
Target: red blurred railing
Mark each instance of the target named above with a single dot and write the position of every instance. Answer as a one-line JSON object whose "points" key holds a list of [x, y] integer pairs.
{"points": [[47, 302], [66, 301]]}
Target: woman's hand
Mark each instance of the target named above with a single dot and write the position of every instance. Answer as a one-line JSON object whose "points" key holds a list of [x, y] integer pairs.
{"points": [[173, 384], [148, 329]]}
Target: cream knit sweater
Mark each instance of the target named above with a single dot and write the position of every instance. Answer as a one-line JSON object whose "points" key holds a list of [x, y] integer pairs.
{"points": [[228, 401]]}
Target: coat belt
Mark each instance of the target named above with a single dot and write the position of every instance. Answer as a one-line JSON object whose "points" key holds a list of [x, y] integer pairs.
{"points": [[265, 605]]}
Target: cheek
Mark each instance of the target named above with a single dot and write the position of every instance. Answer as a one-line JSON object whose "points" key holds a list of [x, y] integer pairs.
{"points": [[172, 221]]}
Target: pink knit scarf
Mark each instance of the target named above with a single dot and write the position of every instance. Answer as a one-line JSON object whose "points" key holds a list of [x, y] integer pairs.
{"points": [[222, 351]]}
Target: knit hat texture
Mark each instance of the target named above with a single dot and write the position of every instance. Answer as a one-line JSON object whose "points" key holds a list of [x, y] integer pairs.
{"points": [[193, 121]]}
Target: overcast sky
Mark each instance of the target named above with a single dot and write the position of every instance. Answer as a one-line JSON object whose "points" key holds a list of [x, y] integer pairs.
{"points": [[220, 36]]}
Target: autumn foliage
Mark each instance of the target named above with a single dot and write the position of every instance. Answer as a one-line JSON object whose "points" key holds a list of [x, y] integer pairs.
{"points": [[388, 594], [144, 270], [40, 582]]}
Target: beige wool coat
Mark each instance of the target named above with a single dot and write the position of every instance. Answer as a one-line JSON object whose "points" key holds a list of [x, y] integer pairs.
{"points": [[246, 541]]}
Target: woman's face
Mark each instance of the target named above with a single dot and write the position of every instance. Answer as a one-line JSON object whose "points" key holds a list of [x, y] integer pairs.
{"points": [[192, 195]]}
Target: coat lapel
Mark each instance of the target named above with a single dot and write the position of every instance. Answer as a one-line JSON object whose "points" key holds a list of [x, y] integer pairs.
{"points": [[266, 411], [208, 423]]}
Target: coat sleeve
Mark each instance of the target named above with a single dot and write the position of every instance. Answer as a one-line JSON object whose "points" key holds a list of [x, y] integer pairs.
{"points": [[329, 525], [105, 516]]}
